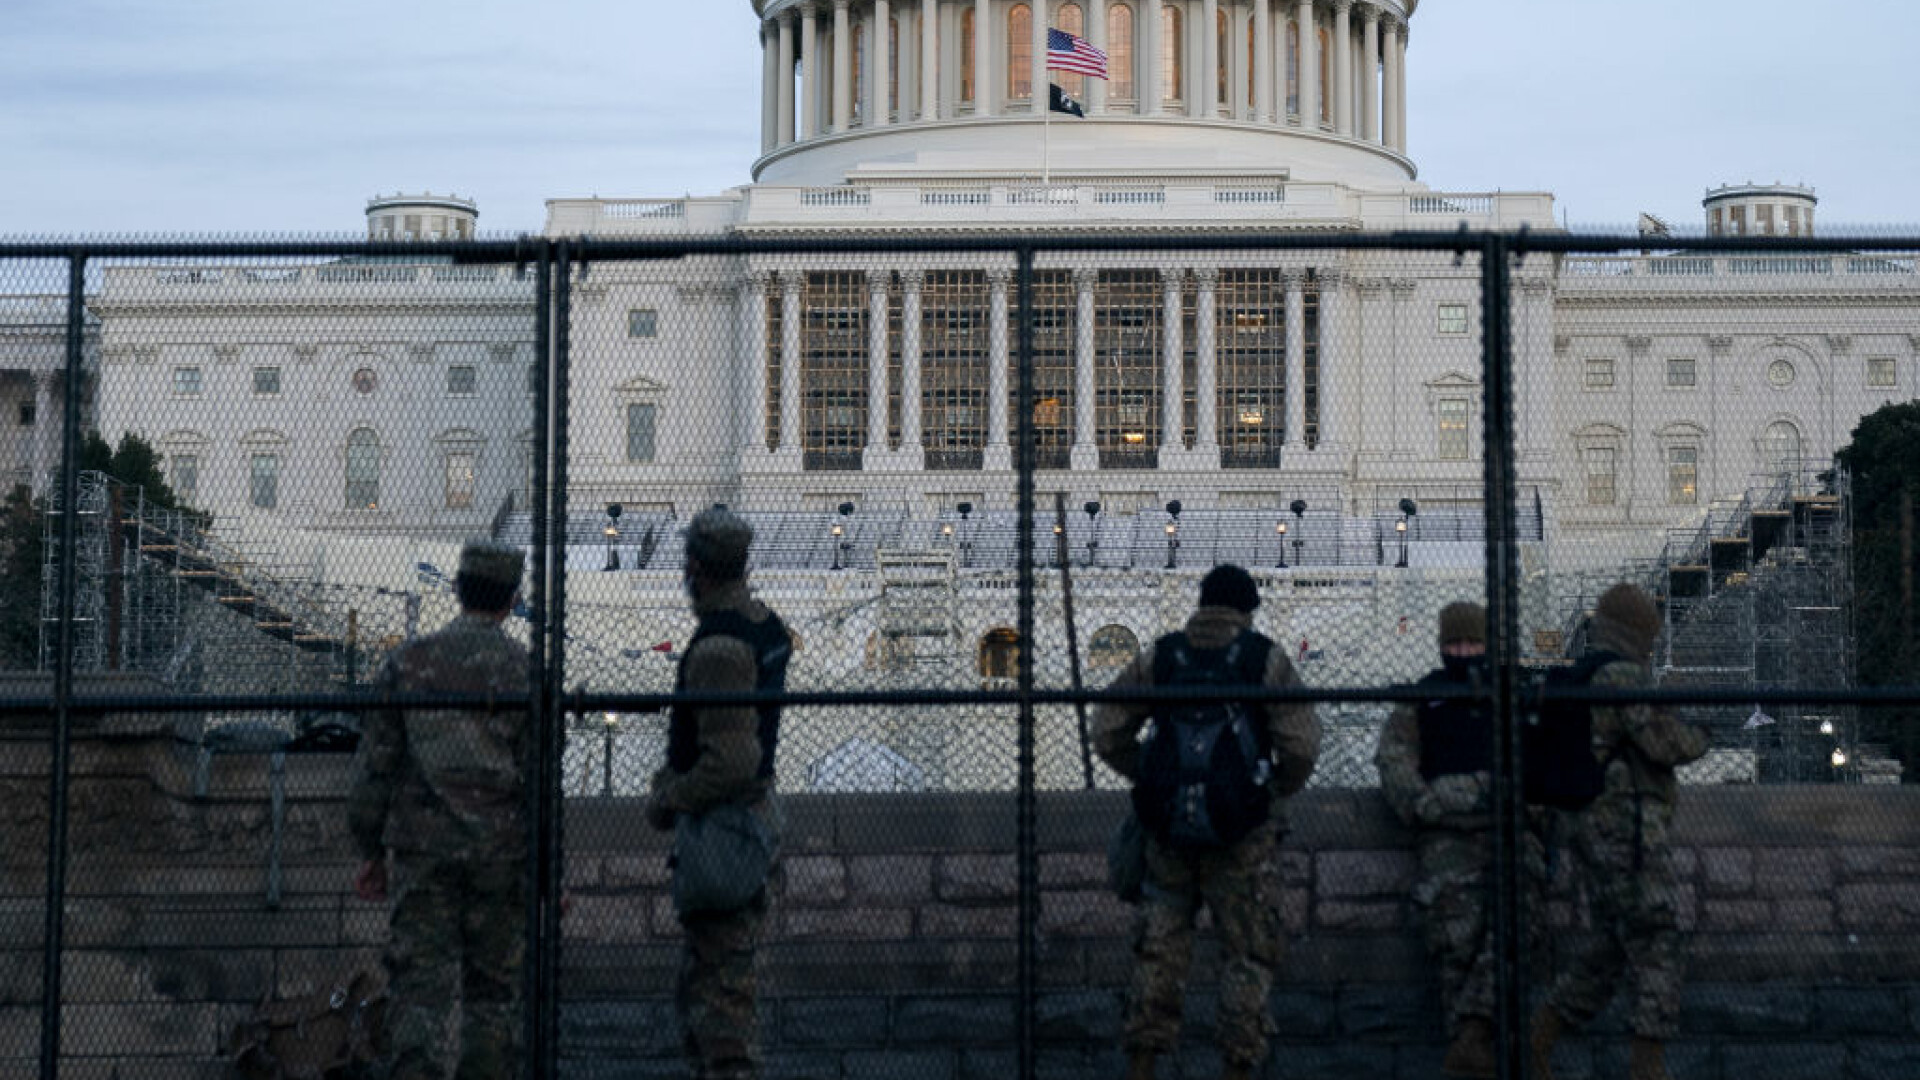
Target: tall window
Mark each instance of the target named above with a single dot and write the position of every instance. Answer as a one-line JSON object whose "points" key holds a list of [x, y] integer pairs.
{"points": [[1020, 53], [459, 482], [1454, 440], [860, 39], [1781, 445], [1120, 52], [640, 423], [1128, 327], [1223, 48], [833, 370], [1293, 67], [1172, 56], [1326, 78], [1600, 475], [183, 475], [1683, 475], [953, 362], [893, 67], [1073, 21], [1251, 363], [263, 481], [1054, 404], [363, 470], [966, 57]]}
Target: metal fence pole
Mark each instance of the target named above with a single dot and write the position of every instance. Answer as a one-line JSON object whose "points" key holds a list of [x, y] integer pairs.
{"points": [[1027, 810], [58, 788], [553, 834], [535, 1006], [1503, 650]]}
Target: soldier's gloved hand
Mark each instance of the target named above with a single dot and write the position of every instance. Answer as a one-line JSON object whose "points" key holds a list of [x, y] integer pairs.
{"points": [[1463, 793]]}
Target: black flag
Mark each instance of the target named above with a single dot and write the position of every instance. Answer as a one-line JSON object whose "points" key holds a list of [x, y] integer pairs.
{"points": [[1058, 101]]}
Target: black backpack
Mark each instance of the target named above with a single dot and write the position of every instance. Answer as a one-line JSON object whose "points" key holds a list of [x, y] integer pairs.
{"points": [[1560, 769], [1204, 766], [1456, 737]]}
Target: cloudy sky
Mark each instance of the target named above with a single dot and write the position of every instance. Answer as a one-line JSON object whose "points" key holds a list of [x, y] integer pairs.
{"points": [[248, 117]]}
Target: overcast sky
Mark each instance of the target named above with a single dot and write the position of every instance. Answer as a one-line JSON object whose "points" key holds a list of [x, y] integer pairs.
{"points": [[244, 116]]}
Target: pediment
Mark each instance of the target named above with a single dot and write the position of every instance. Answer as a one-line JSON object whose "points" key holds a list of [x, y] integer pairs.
{"points": [[1454, 380], [640, 384]]}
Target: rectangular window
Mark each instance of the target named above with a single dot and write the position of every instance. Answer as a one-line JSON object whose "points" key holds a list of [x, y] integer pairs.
{"points": [[460, 480], [1454, 443], [1600, 476], [1453, 318], [1599, 374], [186, 382], [29, 413], [461, 380], [1680, 374], [640, 421], [1882, 371], [1683, 475], [266, 382], [184, 476], [643, 323], [263, 481]]}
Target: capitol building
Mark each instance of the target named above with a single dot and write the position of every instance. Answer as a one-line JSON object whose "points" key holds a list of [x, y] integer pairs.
{"points": [[1315, 413]]}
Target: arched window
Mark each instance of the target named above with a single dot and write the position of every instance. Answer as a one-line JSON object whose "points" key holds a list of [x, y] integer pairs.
{"points": [[363, 470], [1120, 52], [1293, 67], [966, 57], [1073, 21], [1253, 71], [1020, 53], [1000, 654], [1223, 48], [1172, 53], [1780, 447], [1111, 648], [1326, 78], [859, 73]]}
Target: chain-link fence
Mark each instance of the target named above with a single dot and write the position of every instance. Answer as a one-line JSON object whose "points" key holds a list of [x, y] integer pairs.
{"points": [[983, 475]]}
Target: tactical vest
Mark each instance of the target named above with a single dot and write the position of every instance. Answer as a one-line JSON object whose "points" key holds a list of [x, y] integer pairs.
{"points": [[1456, 737], [772, 648]]}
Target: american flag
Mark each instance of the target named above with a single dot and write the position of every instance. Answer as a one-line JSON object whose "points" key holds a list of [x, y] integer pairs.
{"points": [[1068, 53]]}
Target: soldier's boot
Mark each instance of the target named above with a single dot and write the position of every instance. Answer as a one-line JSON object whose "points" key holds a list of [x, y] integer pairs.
{"points": [[1647, 1060], [1547, 1029], [1140, 1065], [1471, 1054]]}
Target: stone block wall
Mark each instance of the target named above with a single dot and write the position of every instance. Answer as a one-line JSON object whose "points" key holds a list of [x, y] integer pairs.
{"points": [[891, 948]]}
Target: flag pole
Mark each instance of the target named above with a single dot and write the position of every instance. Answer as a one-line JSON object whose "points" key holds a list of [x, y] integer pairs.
{"points": [[1046, 141]]}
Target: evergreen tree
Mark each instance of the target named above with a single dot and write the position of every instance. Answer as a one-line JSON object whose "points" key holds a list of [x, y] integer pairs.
{"points": [[22, 553], [1884, 460]]}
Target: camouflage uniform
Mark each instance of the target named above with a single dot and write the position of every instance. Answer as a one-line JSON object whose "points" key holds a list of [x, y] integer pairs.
{"points": [[715, 993], [1236, 884], [1453, 815], [1621, 852], [445, 791]]}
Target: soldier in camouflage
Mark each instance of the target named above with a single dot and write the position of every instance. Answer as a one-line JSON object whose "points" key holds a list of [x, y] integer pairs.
{"points": [[1236, 883], [438, 808], [1621, 853], [1435, 760], [717, 755]]}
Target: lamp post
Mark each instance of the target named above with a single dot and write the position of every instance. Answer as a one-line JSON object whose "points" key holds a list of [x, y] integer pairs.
{"points": [[1280, 530], [1408, 510], [609, 721], [1299, 508], [966, 542], [841, 545], [1093, 531], [1173, 533], [612, 533]]}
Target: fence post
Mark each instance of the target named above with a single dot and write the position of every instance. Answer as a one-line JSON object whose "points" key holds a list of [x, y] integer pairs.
{"points": [[1503, 649], [1027, 809], [57, 794], [538, 1005]]}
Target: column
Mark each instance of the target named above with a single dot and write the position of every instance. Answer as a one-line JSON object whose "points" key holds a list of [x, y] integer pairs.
{"points": [[783, 109], [929, 59], [1343, 67], [1173, 421], [1400, 89], [1207, 101], [1390, 118], [842, 65], [1309, 70], [1370, 76], [48, 413], [1371, 345], [877, 384], [1040, 21], [810, 72], [983, 44], [1147, 77], [1405, 341], [1296, 380], [1096, 34], [1085, 456], [1263, 61], [1533, 365], [790, 283], [1335, 364], [769, 91], [753, 334], [882, 43], [912, 456], [1206, 380], [999, 453]]}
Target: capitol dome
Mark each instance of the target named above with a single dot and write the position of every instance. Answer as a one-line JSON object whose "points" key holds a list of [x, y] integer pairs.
{"points": [[1245, 99]]}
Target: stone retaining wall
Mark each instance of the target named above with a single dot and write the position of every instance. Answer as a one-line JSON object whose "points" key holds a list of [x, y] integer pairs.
{"points": [[891, 950]]}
